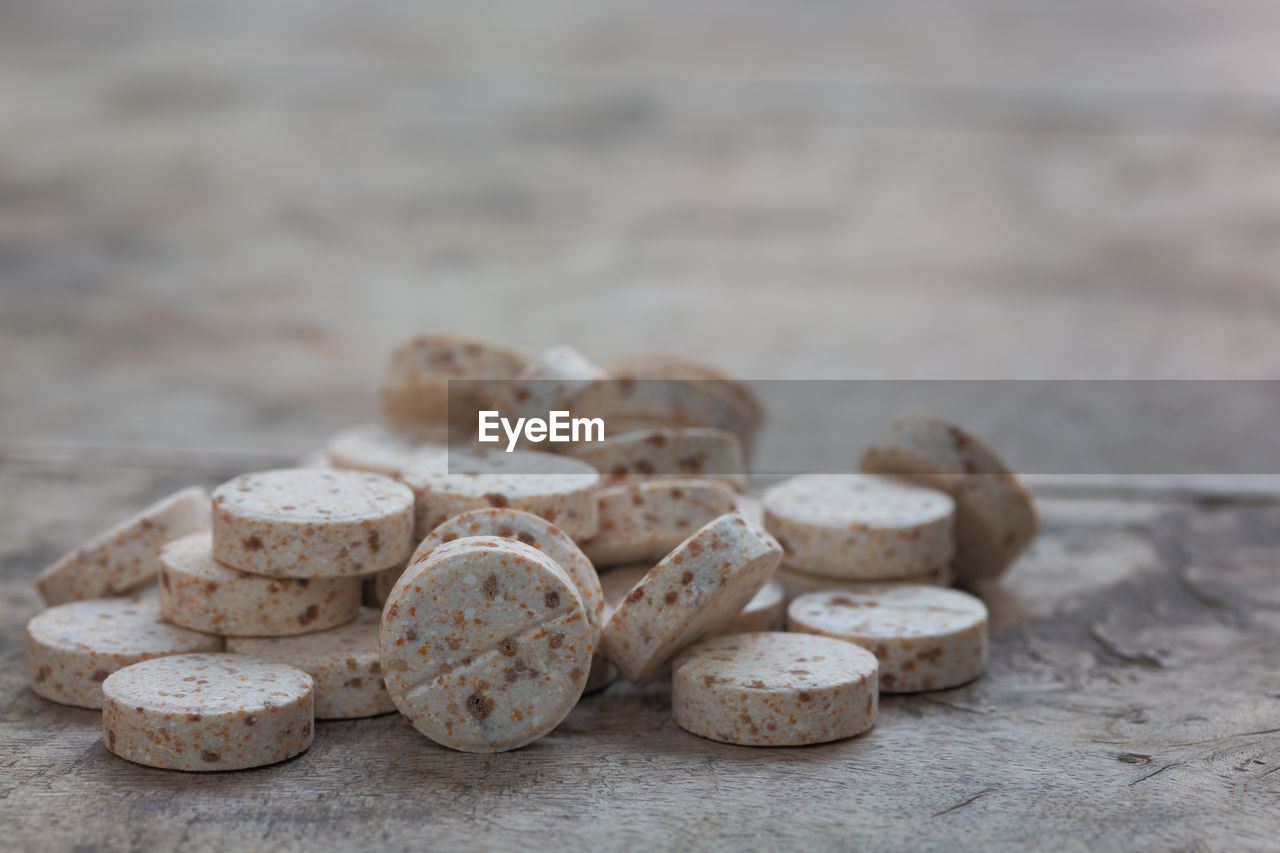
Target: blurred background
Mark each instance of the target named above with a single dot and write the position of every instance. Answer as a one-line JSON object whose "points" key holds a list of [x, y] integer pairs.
{"points": [[217, 219]]}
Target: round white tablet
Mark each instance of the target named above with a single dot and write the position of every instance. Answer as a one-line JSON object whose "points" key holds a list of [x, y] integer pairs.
{"points": [[774, 689], [416, 388], [200, 593], [766, 611], [995, 518], [71, 648], [127, 556], [207, 712], [373, 447], [532, 530], [925, 637], [693, 593], [688, 453], [344, 662], [860, 526], [312, 523], [644, 521], [485, 644], [557, 488]]}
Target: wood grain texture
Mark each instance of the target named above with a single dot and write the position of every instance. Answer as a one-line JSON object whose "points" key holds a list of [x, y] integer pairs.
{"points": [[217, 219]]}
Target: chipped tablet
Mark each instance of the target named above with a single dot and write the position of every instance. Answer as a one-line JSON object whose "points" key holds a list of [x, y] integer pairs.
{"points": [[345, 663], [860, 526], [925, 637], [73, 647], [774, 689], [200, 593], [126, 557], [485, 644], [692, 593], [204, 712], [312, 523]]}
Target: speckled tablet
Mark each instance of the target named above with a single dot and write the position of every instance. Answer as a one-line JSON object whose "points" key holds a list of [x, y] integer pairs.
{"points": [[557, 488], [548, 383], [797, 583], [72, 647], [860, 526], [774, 689], [925, 637], [205, 712], [534, 531], [200, 593], [344, 662], [375, 448], [644, 521], [669, 453], [656, 365], [602, 674], [127, 556], [485, 644], [634, 404], [693, 593], [617, 583], [766, 611], [751, 508], [415, 388], [995, 518], [312, 523], [385, 580]]}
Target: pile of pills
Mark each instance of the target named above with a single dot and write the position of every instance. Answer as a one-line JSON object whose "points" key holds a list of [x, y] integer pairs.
{"points": [[213, 630]]}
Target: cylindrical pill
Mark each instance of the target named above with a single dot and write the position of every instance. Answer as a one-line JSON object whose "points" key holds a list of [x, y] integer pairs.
{"points": [[534, 531], [749, 414], [617, 583], [644, 521], [557, 488], [860, 526], [344, 662], [774, 689], [415, 390], [925, 637], [995, 518], [693, 593], [796, 583], [485, 645], [312, 522], [206, 712], [766, 611], [127, 556], [690, 453], [375, 448], [200, 593], [73, 647]]}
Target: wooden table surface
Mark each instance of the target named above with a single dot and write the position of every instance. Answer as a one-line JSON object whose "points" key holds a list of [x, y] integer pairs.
{"points": [[216, 219]]}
